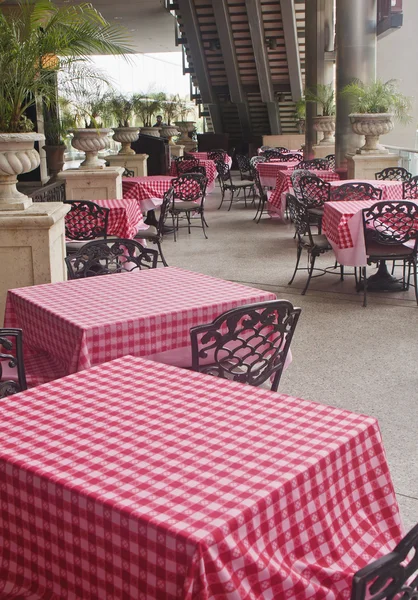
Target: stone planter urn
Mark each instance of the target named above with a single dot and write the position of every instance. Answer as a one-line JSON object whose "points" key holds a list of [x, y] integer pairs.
{"points": [[325, 125], [155, 131], [186, 127], [372, 126], [169, 131], [91, 141], [126, 135], [17, 156], [55, 158]]}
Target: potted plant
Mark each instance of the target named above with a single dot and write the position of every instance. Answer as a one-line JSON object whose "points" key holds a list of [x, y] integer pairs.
{"points": [[300, 114], [145, 107], [375, 106], [183, 124], [36, 40], [122, 110], [324, 96], [170, 106], [57, 123]]}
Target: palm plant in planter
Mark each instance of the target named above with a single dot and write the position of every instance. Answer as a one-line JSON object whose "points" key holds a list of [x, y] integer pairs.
{"points": [[38, 39], [170, 108], [324, 96], [145, 107], [375, 106], [300, 114], [122, 110], [57, 124], [184, 125]]}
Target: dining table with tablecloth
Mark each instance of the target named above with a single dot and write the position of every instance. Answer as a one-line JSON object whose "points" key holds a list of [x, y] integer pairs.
{"points": [[148, 191], [268, 171], [85, 322], [138, 480], [204, 156], [125, 217]]}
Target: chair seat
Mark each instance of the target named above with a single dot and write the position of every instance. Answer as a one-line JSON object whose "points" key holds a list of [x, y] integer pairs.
{"points": [[320, 242], [146, 234], [185, 206], [240, 183], [380, 251], [317, 212]]}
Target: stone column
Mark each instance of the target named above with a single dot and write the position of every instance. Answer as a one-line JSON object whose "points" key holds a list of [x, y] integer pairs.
{"points": [[94, 184], [134, 162], [311, 72], [356, 59]]}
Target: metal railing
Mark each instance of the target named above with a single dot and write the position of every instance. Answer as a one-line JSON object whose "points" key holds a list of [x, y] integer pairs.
{"points": [[52, 192], [408, 158]]}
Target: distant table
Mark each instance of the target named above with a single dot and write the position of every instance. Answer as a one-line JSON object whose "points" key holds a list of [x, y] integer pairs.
{"points": [[211, 173], [147, 191], [391, 190], [276, 202], [268, 171], [204, 156], [125, 217], [136, 480], [85, 322]]}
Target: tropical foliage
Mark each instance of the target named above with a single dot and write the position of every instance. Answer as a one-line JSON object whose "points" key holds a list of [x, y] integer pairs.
{"points": [[39, 40], [122, 109], [378, 97], [323, 95], [146, 106]]}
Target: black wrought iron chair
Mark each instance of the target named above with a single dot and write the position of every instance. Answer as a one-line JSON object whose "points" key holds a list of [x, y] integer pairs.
{"points": [[12, 368], [262, 196], [281, 149], [388, 226], [285, 157], [314, 244], [315, 192], [271, 154], [410, 189], [256, 159], [264, 148], [107, 257], [316, 164], [394, 576], [185, 164], [394, 174], [189, 192], [248, 344], [217, 154], [86, 221], [155, 234], [128, 173], [360, 190], [331, 161], [295, 177], [233, 186], [244, 166]]}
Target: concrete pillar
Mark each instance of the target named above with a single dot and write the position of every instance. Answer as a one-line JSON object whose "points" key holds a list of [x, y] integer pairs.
{"points": [[356, 59], [311, 71], [134, 162]]}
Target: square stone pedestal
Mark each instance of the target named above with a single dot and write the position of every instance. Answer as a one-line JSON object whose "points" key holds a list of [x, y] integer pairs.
{"points": [[134, 162], [95, 184], [323, 150], [365, 166], [32, 247], [176, 151]]}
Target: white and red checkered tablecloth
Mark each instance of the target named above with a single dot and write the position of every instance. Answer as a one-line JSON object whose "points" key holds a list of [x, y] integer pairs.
{"points": [[125, 217], [211, 173], [284, 185], [81, 323], [141, 481], [391, 190], [145, 190], [268, 171], [204, 156]]}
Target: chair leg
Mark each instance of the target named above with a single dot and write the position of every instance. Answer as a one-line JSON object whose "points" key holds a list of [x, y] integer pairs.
{"points": [[188, 221], [298, 255], [341, 272], [232, 198], [174, 226], [245, 197], [261, 210], [414, 265], [203, 225], [222, 200], [311, 268], [160, 250], [364, 275], [258, 210]]}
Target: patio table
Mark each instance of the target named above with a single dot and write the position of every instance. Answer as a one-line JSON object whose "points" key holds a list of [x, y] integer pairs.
{"points": [[125, 217], [391, 190], [211, 173], [268, 171], [147, 191], [204, 156], [141, 481], [85, 322], [276, 201]]}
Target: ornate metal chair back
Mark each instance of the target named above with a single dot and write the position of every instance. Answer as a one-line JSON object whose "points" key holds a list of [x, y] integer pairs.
{"points": [[314, 191], [86, 220], [217, 155], [391, 222], [106, 257], [295, 177], [394, 174], [167, 201], [189, 187], [187, 165], [11, 362], [128, 173], [392, 576], [256, 159], [317, 164], [244, 164], [410, 188], [248, 344], [299, 216], [356, 191], [331, 161]]}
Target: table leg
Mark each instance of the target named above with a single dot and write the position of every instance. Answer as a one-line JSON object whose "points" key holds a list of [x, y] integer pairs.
{"points": [[383, 281]]}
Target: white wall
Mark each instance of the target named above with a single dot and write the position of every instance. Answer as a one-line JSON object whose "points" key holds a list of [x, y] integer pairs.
{"points": [[397, 57]]}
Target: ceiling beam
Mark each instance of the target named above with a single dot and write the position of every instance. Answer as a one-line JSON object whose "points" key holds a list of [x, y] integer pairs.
{"points": [[287, 8], [191, 26], [255, 21], [236, 91]]}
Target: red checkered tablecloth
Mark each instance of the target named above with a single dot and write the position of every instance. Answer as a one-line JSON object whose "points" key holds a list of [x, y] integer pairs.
{"points": [[268, 170], [391, 190], [144, 188], [336, 217], [125, 217], [141, 481], [284, 185], [204, 156], [86, 322], [211, 172]]}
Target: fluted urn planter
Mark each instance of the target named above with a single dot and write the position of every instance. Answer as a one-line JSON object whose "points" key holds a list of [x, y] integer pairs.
{"points": [[169, 131], [55, 158], [17, 156], [186, 127], [91, 141], [325, 125], [154, 131], [372, 126], [126, 135]]}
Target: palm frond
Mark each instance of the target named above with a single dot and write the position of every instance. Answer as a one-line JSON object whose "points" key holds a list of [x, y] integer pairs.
{"points": [[378, 97]]}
